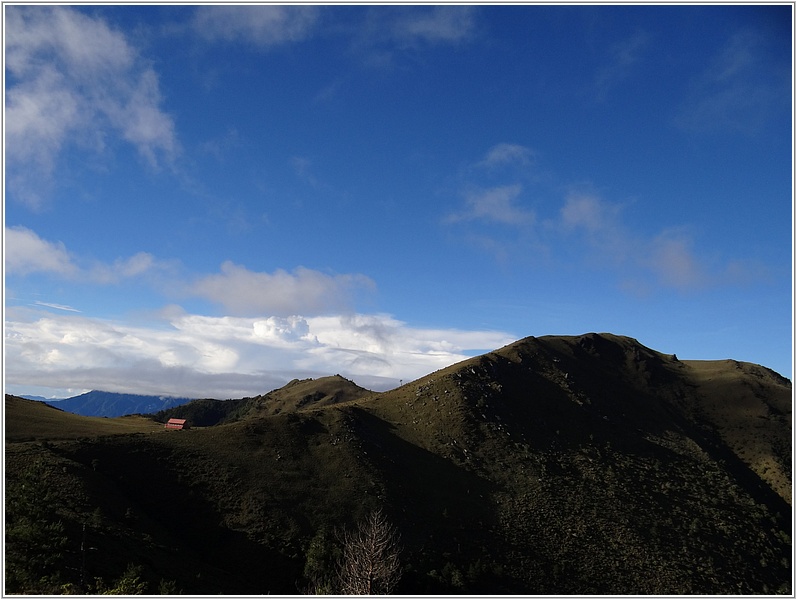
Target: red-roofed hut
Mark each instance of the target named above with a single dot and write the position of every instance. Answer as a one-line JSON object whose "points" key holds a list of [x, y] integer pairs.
{"points": [[177, 424]]}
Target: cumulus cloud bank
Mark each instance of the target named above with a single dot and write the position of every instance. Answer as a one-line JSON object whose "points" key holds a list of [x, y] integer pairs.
{"points": [[223, 357], [276, 326]]}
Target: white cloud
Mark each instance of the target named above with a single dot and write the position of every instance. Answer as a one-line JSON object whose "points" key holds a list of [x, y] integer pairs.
{"points": [[235, 288], [383, 346], [26, 253], [498, 205], [263, 26], [242, 291], [74, 81], [224, 357], [290, 329], [142, 123]]}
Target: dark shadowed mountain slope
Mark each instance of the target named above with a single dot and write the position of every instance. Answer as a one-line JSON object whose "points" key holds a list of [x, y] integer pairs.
{"points": [[556, 465], [612, 468], [111, 404]]}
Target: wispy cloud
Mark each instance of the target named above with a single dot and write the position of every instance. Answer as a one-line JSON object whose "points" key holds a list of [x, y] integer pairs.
{"points": [[74, 81], [584, 211], [26, 253], [666, 260], [581, 228], [740, 89], [496, 205], [303, 167], [598, 223], [438, 24], [387, 32], [495, 213], [224, 357], [607, 241], [234, 288], [125, 268], [262, 26], [622, 59], [673, 260], [507, 154], [56, 306], [242, 291], [221, 147]]}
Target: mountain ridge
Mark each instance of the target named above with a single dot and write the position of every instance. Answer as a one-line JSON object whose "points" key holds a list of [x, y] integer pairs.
{"points": [[99, 403], [555, 465]]}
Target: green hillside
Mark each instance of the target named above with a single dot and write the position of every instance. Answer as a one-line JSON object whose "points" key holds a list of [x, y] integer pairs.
{"points": [[28, 420], [556, 465], [297, 395]]}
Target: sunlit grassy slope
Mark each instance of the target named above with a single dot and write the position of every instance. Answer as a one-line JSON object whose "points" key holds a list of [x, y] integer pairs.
{"points": [[556, 465], [31, 420], [750, 406]]}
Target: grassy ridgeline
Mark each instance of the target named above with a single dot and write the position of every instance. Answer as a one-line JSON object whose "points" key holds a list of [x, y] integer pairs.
{"points": [[562, 465]]}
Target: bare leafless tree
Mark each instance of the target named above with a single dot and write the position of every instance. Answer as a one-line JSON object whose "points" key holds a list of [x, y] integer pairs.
{"points": [[370, 563]]}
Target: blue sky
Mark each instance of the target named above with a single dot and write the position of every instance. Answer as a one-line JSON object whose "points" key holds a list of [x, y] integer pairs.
{"points": [[213, 200]]}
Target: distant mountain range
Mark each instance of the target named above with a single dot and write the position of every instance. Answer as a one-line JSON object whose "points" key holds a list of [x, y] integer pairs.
{"points": [[97, 403]]}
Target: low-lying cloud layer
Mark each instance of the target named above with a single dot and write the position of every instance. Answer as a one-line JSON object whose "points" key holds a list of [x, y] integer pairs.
{"points": [[260, 343], [224, 357]]}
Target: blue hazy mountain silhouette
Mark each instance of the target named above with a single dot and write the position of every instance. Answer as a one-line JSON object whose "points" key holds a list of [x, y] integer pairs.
{"points": [[97, 403]]}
